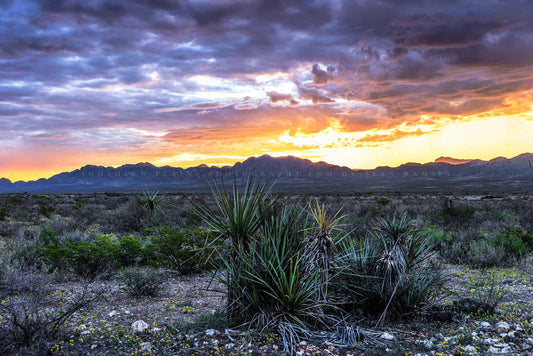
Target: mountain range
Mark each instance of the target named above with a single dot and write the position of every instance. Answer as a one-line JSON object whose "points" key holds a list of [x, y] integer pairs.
{"points": [[295, 174]]}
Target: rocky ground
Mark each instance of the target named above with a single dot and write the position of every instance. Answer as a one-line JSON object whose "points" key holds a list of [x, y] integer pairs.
{"points": [[187, 319]]}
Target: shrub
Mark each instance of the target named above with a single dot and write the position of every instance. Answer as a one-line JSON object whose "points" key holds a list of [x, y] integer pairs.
{"points": [[442, 240], [142, 282], [33, 315], [456, 214], [129, 252], [31, 257], [515, 242], [46, 210], [187, 251], [4, 211], [86, 259], [483, 254], [126, 218]]}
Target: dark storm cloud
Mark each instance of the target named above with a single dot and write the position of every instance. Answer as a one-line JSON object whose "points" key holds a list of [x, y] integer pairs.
{"points": [[314, 94], [322, 76], [85, 65], [275, 97]]}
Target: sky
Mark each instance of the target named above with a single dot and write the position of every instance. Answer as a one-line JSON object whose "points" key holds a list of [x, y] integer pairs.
{"points": [[358, 83]]}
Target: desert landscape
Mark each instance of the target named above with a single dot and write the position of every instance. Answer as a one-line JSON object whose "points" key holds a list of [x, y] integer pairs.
{"points": [[266, 177], [152, 273]]}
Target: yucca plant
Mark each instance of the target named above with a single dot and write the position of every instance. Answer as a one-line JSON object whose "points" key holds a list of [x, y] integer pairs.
{"points": [[391, 273], [238, 216], [266, 271], [320, 245], [239, 212], [278, 291], [152, 201]]}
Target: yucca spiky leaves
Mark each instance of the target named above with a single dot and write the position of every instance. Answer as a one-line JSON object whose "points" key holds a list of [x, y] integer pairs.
{"points": [[391, 271], [239, 212], [152, 201], [320, 245]]}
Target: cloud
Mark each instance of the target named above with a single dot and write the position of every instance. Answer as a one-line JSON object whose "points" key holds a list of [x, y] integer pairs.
{"points": [[389, 137], [315, 95], [195, 68], [321, 76], [275, 97]]}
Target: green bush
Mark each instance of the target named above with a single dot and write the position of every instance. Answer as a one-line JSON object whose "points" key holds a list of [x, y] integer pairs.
{"points": [[46, 210], [86, 259], [142, 282], [186, 251], [515, 242], [129, 252]]}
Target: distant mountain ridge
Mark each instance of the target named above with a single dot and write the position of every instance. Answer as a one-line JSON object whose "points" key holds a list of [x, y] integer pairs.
{"points": [[292, 173], [451, 160]]}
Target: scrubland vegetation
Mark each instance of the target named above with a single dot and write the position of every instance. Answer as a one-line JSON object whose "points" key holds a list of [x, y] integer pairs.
{"points": [[248, 271]]}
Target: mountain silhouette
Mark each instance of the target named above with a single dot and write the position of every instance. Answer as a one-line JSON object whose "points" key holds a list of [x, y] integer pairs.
{"points": [[294, 174]]}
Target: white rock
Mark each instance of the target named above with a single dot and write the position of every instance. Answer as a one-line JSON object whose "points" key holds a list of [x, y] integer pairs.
{"points": [[387, 336], [139, 326], [85, 332], [112, 313], [485, 325], [470, 348], [428, 344], [146, 346], [529, 340], [210, 332], [500, 345], [503, 326], [500, 351]]}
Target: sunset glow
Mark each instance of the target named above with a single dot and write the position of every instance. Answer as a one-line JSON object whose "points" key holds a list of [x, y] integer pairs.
{"points": [[354, 83]]}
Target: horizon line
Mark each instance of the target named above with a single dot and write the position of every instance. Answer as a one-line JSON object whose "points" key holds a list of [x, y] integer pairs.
{"points": [[462, 161]]}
